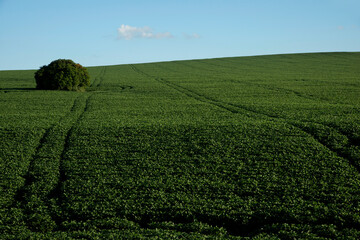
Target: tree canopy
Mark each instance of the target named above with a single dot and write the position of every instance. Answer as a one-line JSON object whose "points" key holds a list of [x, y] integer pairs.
{"points": [[62, 74]]}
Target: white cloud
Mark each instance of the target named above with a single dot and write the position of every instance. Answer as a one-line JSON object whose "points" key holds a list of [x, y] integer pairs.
{"points": [[191, 36], [128, 32]]}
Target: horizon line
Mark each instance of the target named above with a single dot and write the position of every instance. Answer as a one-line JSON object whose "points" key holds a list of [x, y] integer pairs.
{"points": [[195, 59]]}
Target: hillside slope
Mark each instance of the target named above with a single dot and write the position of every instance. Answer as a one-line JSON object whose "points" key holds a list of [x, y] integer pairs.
{"points": [[260, 147]]}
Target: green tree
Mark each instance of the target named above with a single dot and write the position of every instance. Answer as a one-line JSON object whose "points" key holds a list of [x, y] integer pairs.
{"points": [[62, 74]]}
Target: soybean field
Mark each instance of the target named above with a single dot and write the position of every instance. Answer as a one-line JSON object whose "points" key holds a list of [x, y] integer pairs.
{"points": [[262, 147]]}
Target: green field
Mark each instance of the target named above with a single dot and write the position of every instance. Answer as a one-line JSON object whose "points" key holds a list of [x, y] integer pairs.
{"points": [[250, 147]]}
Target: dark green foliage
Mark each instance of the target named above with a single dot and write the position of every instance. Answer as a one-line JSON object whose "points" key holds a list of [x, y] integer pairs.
{"points": [[237, 148], [62, 74]]}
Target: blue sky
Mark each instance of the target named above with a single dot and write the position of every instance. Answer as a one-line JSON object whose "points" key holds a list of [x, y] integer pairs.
{"points": [[109, 32]]}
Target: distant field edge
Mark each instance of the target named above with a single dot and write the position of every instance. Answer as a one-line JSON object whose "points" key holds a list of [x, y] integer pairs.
{"points": [[199, 59]]}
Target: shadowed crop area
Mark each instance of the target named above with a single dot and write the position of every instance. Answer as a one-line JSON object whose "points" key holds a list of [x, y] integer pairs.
{"points": [[264, 147]]}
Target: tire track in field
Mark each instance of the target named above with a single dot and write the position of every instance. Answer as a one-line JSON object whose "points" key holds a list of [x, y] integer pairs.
{"points": [[232, 227], [102, 77], [237, 108], [187, 92], [99, 78], [351, 155], [262, 86], [227, 106], [67, 142], [268, 87], [353, 161], [45, 173], [349, 150], [56, 192], [351, 142], [41, 144], [29, 178]]}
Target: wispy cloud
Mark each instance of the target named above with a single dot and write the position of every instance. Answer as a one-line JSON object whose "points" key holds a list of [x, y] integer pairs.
{"points": [[191, 36], [129, 32]]}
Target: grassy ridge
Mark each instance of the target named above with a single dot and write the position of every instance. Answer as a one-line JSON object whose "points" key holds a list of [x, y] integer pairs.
{"points": [[260, 147]]}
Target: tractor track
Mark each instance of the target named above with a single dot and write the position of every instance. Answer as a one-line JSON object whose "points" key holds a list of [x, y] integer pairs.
{"points": [[98, 81], [56, 193], [237, 108], [45, 175]]}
